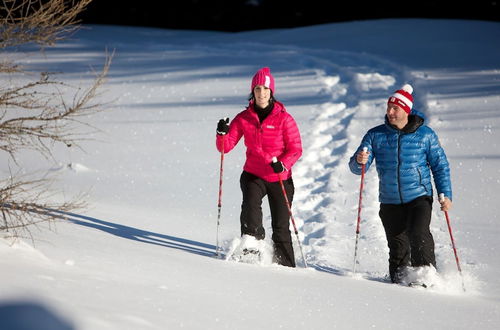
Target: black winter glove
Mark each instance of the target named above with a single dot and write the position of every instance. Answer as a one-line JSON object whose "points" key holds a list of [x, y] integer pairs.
{"points": [[278, 167], [223, 126]]}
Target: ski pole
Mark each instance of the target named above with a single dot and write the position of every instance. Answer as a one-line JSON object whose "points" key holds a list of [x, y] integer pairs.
{"points": [[358, 221], [291, 215], [441, 198], [219, 203]]}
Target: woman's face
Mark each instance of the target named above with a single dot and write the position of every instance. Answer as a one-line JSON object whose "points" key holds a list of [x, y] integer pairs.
{"points": [[262, 95]]}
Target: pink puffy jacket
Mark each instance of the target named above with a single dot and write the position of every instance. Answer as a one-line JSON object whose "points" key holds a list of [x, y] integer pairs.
{"points": [[277, 136]]}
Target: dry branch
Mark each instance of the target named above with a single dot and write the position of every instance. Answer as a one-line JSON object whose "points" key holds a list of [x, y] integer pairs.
{"points": [[36, 109], [25, 203], [49, 118], [37, 21]]}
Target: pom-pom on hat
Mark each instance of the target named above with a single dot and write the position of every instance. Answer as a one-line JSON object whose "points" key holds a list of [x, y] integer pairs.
{"points": [[263, 77], [403, 98]]}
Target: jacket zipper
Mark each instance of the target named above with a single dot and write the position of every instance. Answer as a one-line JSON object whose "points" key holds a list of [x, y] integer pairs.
{"points": [[260, 125], [399, 168]]}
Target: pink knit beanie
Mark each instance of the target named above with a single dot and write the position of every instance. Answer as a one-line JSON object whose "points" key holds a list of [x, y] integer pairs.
{"points": [[263, 77]]}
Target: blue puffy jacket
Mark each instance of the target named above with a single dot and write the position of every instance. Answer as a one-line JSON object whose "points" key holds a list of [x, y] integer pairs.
{"points": [[404, 161]]}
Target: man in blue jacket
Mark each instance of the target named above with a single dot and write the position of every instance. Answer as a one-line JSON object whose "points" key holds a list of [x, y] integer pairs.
{"points": [[406, 152]]}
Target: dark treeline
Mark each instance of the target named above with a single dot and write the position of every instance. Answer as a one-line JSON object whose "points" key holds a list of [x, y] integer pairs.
{"points": [[239, 15]]}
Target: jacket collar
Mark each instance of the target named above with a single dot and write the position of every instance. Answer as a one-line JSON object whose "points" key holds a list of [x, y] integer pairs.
{"points": [[278, 107], [415, 120]]}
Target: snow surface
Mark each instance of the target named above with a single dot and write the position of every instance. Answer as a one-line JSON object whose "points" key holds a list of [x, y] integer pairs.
{"points": [[141, 256]]}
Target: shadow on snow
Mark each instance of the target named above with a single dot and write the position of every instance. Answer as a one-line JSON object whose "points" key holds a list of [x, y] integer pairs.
{"points": [[173, 242], [139, 235], [348, 273]]}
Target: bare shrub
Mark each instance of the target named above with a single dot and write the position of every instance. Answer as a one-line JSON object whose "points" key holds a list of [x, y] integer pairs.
{"points": [[36, 109]]}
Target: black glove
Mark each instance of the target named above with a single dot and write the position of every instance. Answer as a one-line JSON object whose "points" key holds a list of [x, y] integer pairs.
{"points": [[223, 126], [278, 167]]}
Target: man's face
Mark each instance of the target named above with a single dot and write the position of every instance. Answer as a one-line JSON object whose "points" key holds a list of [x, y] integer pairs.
{"points": [[396, 115]]}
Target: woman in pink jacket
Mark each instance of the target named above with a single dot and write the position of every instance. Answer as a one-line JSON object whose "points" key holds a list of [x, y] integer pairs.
{"points": [[269, 131]]}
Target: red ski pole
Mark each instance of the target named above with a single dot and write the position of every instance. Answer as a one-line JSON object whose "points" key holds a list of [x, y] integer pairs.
{"points": [[219, 203], [441, 198], [358, 221], [291, 215]]}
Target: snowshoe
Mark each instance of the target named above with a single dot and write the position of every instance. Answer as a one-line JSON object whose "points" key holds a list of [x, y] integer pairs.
{"points": [[250, 256], [249, 250], [417, 277], [417, 284]]}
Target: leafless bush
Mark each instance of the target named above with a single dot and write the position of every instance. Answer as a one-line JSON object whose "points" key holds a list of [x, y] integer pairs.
{"points": [[36, 109], [43, 22], [24, 204]]}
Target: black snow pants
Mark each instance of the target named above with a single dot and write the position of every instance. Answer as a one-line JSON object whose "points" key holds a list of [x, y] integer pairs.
{"points": [[408, 234], [254, 189]]}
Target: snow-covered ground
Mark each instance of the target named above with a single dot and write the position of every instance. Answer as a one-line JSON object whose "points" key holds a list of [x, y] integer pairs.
{"points": [[141, 255]]}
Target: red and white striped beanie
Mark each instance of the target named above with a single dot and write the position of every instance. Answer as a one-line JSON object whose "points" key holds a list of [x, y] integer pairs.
{"points": [[403, 98], [263, 77]]}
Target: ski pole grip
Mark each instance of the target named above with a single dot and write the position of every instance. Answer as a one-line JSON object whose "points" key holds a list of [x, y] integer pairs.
{"points": [[441, 197], [275, 160]]}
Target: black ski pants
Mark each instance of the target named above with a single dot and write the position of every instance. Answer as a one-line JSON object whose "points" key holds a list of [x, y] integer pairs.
{"points": [[408, 234], [254, 189]]}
